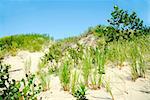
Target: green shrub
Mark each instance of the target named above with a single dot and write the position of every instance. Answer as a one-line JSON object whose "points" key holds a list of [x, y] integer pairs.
{"points": [[123, 26], [122, 20], [53, 54], [9, 90], [126, 24], [12, 90]]}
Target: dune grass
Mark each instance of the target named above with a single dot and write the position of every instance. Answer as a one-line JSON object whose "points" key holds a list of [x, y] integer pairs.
{"points": [[44, 78], [86, 68], [74, 81], [65, 76], [135, 52]]}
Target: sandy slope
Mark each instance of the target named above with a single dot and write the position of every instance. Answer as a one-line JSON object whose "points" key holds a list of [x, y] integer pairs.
{"points": [[123, 88], [18, 63]]}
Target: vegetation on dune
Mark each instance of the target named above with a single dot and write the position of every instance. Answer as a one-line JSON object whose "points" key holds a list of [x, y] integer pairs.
{"points": [[125, 40], [31, 42], [122, 40]]}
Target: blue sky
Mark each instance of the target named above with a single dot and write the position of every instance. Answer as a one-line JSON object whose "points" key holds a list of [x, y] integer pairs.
{"points": [[62, 18]]}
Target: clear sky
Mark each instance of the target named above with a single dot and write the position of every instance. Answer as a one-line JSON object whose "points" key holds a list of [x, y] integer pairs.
{"points": [[62, 18]]}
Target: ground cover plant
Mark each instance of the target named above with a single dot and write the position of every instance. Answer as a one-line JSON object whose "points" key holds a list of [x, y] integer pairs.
{"points": [[31, 42]]}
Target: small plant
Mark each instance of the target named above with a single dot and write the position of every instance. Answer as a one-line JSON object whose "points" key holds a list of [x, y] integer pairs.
{"points": [[27, 65], [142, 69], [81, 92], [74, 55], [86, 69], [134, 63], [65, 76], [44, 77], [120, 47], [74, 82], [41, 64], [108, 89], [44, 80], [94, 83], [94, 70], [53, 70], [100, 58]]}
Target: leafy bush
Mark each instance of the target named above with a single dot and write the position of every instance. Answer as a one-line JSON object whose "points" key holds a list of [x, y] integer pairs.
{"points": [[125, 24], [122, 20], [12, 90], [122, 26], [53, 54], [8, 89], [108, 32]]}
